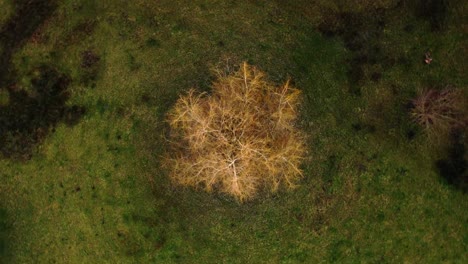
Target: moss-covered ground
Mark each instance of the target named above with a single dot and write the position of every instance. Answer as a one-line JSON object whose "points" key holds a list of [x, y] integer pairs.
{"points": [[85, 85]]}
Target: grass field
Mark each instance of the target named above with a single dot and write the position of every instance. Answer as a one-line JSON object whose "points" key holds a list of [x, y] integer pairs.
{"points": [[85, 86]]}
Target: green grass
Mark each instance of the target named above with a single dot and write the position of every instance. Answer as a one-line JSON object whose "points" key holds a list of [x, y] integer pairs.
{"points": [[95, 192]]}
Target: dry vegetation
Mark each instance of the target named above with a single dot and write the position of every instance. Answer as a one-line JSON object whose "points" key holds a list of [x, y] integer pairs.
{"points": [[439, 112], [238, 139]]}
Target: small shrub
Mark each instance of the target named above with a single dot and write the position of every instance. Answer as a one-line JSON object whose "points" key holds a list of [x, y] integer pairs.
{"points": [[438, 112], [238, 139]]}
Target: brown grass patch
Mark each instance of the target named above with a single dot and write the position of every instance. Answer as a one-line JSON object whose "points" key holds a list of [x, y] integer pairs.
{"points": [[238, 139]]}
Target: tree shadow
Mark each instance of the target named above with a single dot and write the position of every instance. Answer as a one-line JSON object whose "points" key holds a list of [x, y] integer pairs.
{"points": [[3, 236], [453, 169], [27, 116]]}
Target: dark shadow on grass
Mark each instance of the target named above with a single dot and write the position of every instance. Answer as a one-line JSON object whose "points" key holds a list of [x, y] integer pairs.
{"points": [[30, 14], [27, 117], [453, 169], [360, 33], [434, 11], [3, 236]]}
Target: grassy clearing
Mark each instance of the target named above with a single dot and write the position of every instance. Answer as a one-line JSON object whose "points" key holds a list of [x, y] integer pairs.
{"points": [[95, 193]]}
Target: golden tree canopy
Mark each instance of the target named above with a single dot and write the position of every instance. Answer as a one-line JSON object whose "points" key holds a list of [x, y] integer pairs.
{"points": [[239, 138]]}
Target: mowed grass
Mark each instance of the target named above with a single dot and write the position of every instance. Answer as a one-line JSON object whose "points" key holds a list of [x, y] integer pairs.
{"points": [[95, 192]]}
